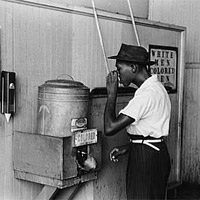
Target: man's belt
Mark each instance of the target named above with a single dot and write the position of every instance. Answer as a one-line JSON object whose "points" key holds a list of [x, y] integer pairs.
{"points": [[148, 142]]}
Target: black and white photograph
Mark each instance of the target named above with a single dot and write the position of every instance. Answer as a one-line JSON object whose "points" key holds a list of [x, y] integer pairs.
{"points": [[99, 100]]}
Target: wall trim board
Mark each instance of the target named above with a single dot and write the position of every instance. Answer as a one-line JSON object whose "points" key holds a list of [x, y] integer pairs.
{"points": [[192, 65], [87, 11], [180, 102]]}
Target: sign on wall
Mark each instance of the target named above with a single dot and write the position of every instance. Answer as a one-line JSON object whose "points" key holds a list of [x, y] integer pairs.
{"points": [[166, 65]]}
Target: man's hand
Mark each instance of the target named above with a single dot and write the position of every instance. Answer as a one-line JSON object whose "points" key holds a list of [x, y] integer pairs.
{"points": [[112, 83], [118, 151], [114, 154]]}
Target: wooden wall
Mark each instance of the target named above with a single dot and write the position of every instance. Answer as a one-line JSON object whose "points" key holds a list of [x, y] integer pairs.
{"points": [[191, 137], [140, 7], [41, 42], [186, 13]]}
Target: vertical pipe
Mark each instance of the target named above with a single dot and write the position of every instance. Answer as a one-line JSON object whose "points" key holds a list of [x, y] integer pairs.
{"points": [[7, 92], [133, 23], [180, 103], [100, 37], [2, 98]]}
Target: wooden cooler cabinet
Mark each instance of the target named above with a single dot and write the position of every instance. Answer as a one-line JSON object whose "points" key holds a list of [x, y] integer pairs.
{"points": [[51, 160]]}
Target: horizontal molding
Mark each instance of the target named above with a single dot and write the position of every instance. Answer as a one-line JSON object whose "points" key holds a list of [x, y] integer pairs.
{"points": [[192, 65], [101, 14]]}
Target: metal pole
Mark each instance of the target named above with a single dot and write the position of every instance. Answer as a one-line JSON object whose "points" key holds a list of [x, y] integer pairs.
{"points": [[100, 37], [133, 22], [75, 191]]}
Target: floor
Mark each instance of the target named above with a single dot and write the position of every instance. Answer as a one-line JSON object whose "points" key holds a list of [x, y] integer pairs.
{"points": [[190, 192]]}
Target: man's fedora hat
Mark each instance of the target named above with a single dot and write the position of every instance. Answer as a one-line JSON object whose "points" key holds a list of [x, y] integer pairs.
{"points": [[134, 54]]}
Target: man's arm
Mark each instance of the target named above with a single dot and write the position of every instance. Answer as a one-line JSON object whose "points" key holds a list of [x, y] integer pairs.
{"points": [[113, 123]]}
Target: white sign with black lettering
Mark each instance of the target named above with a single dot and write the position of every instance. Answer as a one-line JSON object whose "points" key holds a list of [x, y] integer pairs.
{"points": [[166, 61], [84, 137]]}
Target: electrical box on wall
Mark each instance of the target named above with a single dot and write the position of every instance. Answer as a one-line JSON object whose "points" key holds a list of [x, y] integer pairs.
{"points": [[8, 94]]}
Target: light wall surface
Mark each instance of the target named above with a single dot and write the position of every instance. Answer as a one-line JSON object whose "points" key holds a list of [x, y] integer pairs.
{"points": [[139, 7], [186, 13]]}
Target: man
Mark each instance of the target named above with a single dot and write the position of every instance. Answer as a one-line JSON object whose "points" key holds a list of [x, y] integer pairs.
{"points": [[146, 118]]}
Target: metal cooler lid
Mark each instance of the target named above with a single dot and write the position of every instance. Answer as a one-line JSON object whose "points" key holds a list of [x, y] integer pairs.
{"points": [[63, 83]]}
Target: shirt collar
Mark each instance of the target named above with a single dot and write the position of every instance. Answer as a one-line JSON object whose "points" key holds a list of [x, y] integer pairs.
{"points": [[152, 79]]}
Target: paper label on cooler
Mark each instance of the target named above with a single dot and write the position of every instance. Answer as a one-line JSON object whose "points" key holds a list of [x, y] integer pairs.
{"points": [[88, 136], [78, 124]]}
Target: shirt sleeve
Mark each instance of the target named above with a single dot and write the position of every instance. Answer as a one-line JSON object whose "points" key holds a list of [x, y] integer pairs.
{"points": [[138, 107]]}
